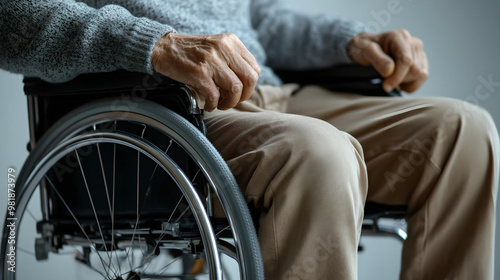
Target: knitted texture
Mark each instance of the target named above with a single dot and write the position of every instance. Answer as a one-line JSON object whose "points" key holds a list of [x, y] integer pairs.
{"points": [[57, 40]]}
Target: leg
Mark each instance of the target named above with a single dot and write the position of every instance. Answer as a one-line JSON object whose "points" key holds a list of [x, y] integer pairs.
{"points": [[309, 181], [438, 156]]}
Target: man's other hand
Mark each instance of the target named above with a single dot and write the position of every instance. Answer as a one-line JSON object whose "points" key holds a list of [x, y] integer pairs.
{"points": [[217, 67], [396, 55]]}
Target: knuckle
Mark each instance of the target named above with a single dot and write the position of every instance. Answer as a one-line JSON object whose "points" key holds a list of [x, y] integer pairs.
{"points": [[202, 72], [356, 41], [371, 47], [224, 44], [404, 33], [418, 43], [368, 49], [406, 59], [206, 89], [251, 77], [228, 38], [211, 97], [231, 36], [236, 87], [212, 39], [424, 74], [361, 43], [213, 53], [419, 74], [258, 70], [384, 65], [220, 41]]}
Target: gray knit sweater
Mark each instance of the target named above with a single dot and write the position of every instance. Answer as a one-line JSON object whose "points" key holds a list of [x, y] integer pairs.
{"points": [[57, 40]]}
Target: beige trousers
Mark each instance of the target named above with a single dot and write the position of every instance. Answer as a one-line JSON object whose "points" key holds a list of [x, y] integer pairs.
{"points": [[309, 162]]}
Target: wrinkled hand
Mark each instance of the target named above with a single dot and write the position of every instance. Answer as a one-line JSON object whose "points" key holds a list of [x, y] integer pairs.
{"points": [[217, 67], [396, 55]]}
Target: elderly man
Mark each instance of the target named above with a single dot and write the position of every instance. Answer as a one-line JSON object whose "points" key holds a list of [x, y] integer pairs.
{"points": [[309, 161]]}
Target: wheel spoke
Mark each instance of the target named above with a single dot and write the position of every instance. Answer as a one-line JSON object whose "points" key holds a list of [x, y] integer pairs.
{"points": [[195, 175], [110, 255], [77, 222], [222, 230], [148, 191], [168, 265], [113, 201], [26, 251], [176, 206], [183, 213], [137, 215], [31, 214], [93, 208]]}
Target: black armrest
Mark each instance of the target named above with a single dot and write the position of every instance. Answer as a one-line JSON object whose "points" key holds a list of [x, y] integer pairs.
{"points": [[54, 100], [95, 83], [352, 78]]}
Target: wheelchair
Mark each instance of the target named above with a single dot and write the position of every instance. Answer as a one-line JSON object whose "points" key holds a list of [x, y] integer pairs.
{"points": [[129, 184]]}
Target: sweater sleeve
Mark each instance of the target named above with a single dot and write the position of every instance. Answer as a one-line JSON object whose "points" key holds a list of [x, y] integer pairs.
{"points": [[57, 40], [296, 41]]}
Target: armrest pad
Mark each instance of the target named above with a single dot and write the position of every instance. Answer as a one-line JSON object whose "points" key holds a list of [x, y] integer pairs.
{"points": [[54, 100], [352, 78], [117, 81]]}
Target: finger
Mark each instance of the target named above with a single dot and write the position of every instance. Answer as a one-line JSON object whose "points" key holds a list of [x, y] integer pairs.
{"points": [[247, 75], [247, 56], [419, 73], [230, 86], [376, 57], [412, 86], [251, 78], [245, 66], [250, 59], [402, 52], [208, 89]]}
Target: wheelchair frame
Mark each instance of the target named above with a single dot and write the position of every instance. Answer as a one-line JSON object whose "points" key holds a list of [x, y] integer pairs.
{"points": [[115, 84]]}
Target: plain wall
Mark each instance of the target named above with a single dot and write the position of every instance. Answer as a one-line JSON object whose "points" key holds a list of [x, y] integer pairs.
{"points": [[462, 42]]}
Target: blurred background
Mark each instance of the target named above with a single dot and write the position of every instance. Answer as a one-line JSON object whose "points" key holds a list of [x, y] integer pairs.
{"points": [[461, 40]]}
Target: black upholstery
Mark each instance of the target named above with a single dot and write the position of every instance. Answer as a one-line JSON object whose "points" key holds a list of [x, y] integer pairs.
{"points": [[95, 83], [54, 100], [351, 78], [375, 210]]}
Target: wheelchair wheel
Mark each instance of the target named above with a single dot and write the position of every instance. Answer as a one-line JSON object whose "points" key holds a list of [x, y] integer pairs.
{"points": [[130, 192]]}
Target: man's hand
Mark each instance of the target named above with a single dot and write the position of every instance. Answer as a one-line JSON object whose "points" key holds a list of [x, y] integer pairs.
{"points": [[396, 55], [217, 67]]}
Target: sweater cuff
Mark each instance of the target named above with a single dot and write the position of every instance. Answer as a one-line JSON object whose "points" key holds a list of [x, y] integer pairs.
{"points": [[350, 30], [138, 49]]}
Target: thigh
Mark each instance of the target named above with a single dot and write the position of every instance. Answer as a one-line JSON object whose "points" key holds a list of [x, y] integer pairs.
{"points": [[260, 145], [305, 177], [405, 141]]}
